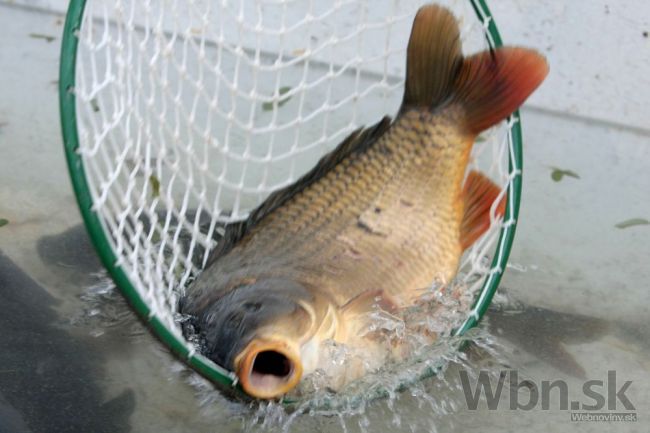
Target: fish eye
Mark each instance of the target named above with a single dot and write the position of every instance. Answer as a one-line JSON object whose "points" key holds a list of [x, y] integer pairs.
{"points": [[252, 306]]}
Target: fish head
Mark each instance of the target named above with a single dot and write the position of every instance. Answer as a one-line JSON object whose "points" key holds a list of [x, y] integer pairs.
{"points": [[257, 330]]}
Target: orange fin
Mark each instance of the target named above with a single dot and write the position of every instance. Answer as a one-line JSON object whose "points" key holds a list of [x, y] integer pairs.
{"points": [[488, 86], [478, 195], [491, 85]]}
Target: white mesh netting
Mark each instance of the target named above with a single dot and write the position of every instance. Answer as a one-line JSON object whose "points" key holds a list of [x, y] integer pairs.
{"points": [[191, 112]]}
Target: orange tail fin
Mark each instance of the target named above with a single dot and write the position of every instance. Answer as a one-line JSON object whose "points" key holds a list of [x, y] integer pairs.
{"points": [[489, 86]]}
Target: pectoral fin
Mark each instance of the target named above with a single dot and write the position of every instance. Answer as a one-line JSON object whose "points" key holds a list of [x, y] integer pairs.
{"points": [[357, 314], [478, 195], [368, 301]]}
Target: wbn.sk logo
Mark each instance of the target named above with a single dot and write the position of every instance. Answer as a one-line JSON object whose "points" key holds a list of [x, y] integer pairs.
{"points": [[600, 395]]}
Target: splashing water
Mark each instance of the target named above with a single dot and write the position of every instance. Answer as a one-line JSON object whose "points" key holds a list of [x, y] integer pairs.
{"points": [[106, 310], [415, 387], [420, 392], [419, 405], [401, 348]]}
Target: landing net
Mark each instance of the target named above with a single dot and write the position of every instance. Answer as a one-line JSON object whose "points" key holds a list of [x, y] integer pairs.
{"points": [[180, 116]]}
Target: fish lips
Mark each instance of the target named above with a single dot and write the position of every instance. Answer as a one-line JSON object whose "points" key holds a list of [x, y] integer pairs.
{"points": [[228, 324], [279, 369]]}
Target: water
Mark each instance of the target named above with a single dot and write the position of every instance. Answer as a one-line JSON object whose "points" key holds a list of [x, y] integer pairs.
{"points": [[354, 406], [74, 358]]}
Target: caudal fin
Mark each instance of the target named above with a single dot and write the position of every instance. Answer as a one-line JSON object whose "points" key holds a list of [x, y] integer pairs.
{"points": [[488, 86]]}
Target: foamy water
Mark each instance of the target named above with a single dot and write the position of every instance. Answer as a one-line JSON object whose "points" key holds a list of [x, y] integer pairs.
{"points": [[427, 379]]}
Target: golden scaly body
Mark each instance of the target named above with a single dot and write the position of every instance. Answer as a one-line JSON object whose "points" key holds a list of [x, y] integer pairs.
{"points": [[386, 219]]}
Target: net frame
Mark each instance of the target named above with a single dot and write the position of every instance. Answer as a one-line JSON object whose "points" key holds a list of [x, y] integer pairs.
{"points": [[105, 244]]}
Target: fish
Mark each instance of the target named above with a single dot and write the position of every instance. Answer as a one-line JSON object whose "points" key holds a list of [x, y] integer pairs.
{"points": [[377, 222]]}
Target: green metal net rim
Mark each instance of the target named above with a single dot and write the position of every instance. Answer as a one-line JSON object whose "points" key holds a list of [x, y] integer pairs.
{"points": [[100, 238]]}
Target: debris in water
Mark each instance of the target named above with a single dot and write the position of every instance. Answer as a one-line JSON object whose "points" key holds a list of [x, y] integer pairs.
{"points": [[155, 186], [94, 105], [557, 174], [268, 106], [632, 222], [47, 38]]}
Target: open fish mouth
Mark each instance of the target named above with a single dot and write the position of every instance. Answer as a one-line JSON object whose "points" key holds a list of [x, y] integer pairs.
{"points": [[268, 369]]}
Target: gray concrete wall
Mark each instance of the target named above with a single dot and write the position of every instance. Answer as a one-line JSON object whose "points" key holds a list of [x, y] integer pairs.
{"points": [[599, 51]]}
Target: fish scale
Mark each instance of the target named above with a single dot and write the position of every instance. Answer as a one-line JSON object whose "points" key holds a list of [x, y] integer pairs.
{"points": [[410, 246], [419, 161]]}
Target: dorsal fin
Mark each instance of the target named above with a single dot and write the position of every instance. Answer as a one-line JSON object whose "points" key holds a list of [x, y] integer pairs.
{"points": [[358, 141], [433, 58]]}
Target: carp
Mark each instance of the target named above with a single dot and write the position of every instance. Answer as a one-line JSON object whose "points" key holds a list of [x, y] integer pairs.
{"points": [[373, 225]]}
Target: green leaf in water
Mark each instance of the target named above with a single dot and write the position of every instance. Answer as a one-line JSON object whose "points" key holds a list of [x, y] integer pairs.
{"points": [[155, 186], [557, 174], [47, 38], [268, 106], [632, 222], [3, 222]]}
